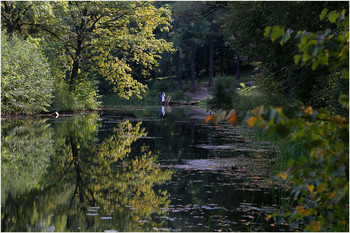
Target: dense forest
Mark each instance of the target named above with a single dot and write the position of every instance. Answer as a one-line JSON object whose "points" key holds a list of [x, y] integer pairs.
{"points": [[69, 56], [72, 53]]}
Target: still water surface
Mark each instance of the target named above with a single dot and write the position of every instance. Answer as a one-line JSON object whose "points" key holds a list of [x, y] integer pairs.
{"points": [[134, 170]]}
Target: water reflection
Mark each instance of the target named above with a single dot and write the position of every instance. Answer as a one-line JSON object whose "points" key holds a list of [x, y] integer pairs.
{"points": [[26, 148], [98, 172], [163, 109], [82, 183]]}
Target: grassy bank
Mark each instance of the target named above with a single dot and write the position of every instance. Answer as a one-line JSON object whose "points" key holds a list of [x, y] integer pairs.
{"points": [[285, 148], [229, 93]]}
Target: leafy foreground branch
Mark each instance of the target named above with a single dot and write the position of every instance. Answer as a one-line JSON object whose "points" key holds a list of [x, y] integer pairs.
{"points": [[320, 181], [321, 187]]}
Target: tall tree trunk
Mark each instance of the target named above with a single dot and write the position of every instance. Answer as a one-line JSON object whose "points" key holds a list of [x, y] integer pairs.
{"points": [[74, 75], [192, 65], [177, 57], [238, 74], [76, 65], [10, 23], [211, 57]]}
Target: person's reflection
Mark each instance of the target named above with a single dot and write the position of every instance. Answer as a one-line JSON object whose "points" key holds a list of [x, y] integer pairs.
{"points": [[161, 111]]}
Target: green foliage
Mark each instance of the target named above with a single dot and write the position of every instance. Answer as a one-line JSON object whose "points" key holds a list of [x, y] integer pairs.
{"points": [[26, 82], [85, 96], [113, 39], [223, 91], [320, 181], [26, 148], [326, 48], [285, 150], [250, 21], [254, 97], [160, 86], [179, 96]]}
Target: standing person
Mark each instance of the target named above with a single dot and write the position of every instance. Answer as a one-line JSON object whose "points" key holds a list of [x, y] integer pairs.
{"points": [[163, 98], [199, 76]]}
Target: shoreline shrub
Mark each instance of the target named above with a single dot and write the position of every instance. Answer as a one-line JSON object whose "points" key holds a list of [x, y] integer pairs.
{"points": [[26, 80]]}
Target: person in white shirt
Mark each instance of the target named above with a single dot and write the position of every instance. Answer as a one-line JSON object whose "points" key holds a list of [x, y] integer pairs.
{"points": [[163, 98]]}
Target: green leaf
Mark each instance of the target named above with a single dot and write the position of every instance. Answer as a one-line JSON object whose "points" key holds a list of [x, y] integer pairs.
{"points": [[286, 37], [345, 73], [267, 31], [323, 13], [290, 112], [290, 162], [220, 115], [276, 33], [297, 59], [346, 22], [332, 16], [344, 100], [303, 160]]}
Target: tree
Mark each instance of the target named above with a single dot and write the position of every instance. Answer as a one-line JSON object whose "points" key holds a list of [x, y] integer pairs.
{"points": [[18, 16], [105, 37], [277, 61], [26, 83], [191, 30]]}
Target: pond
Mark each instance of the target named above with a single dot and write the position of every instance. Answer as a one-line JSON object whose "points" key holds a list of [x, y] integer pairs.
{"points": [[141, 169]]}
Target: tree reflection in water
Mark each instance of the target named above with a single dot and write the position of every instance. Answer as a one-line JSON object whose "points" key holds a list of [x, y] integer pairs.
{"points": [[91, 186]]}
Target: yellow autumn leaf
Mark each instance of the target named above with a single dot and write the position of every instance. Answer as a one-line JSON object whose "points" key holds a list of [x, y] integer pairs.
{"points": [[307, 212], [268, 217], [315, 226], [300, 209], [308, 110], [232, 117], [310, 188], [209, 118], [278, 109], [283, 175], [251, 121]]}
